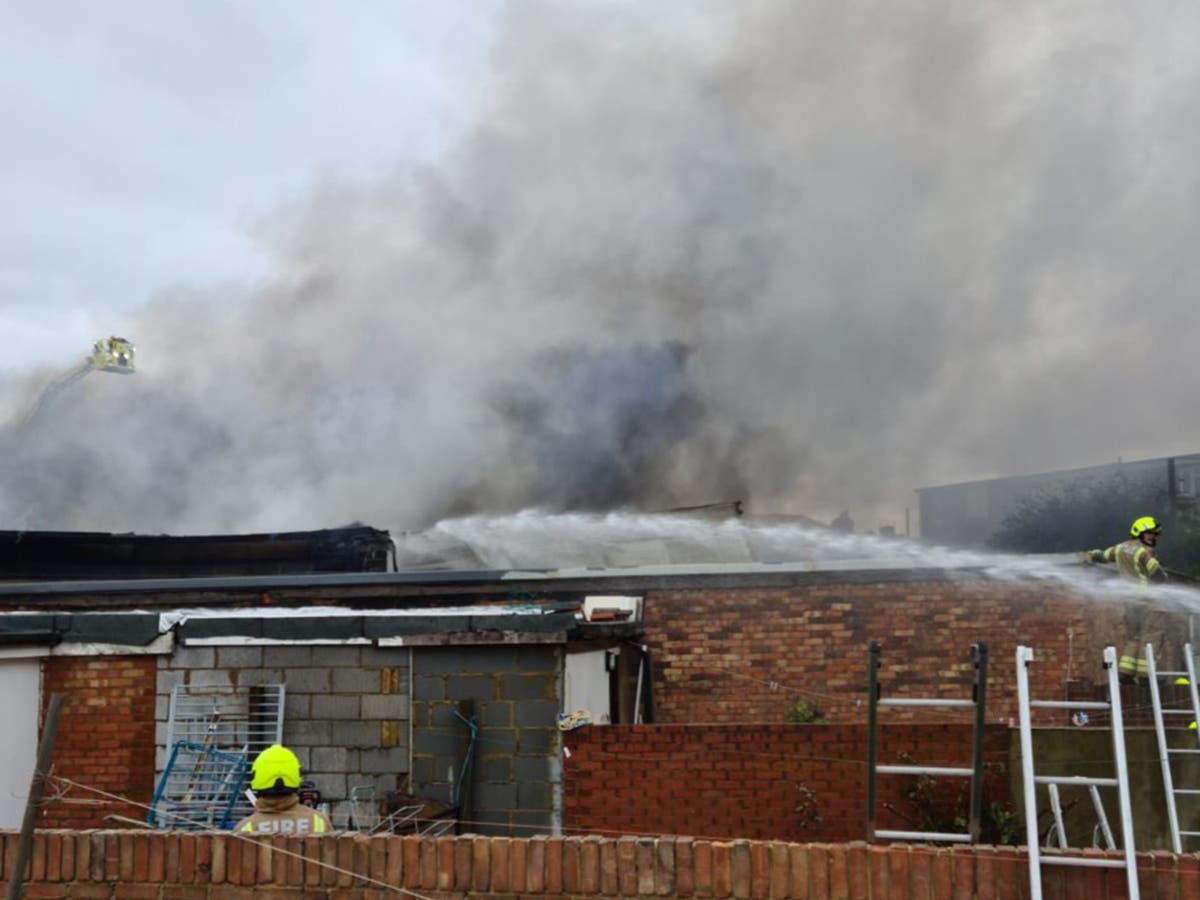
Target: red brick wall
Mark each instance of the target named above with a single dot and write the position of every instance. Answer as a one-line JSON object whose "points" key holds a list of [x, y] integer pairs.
{"points": [[744, 781], [746, 655], [173, 866], [105, 737]]}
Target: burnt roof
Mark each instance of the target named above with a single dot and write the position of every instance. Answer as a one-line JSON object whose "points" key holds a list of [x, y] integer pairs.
{"points": [[70, 555]]}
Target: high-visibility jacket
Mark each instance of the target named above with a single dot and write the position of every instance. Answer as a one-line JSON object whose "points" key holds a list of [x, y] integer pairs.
{"points": [[1137, 562], [1134, 560], [283, 815]]}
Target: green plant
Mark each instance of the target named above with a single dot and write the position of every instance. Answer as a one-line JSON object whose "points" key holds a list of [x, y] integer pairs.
{"points": [[1003, 823], [803, 712], [936, 805], [806, 807]]}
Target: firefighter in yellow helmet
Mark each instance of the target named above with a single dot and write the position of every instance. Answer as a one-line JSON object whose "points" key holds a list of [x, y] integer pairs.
{"points": [[1145, 622], [275, 780]]}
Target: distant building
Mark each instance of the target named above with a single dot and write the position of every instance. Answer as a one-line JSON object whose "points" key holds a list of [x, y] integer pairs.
{"points": [[969, 513]]}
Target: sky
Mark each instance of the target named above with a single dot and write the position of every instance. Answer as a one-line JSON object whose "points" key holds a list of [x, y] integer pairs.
{"points": [[401, 262], [142, 140]]}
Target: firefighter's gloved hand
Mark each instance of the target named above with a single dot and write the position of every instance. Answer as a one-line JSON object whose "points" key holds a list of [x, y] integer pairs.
{"points": [[1085, 557]]}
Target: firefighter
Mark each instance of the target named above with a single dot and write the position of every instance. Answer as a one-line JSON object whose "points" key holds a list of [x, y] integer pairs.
{"points": [[275, 780], [1145, 622]]}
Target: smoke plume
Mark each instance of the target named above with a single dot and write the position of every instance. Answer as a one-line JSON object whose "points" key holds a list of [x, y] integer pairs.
{"points": [[806, 255]]}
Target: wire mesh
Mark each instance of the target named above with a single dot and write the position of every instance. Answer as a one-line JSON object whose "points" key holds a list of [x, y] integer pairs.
{"points": [[243, 719], [364, 809]]}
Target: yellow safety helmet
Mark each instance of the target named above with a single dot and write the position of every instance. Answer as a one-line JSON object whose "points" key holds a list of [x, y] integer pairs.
{"points": [[1144, 524], [275, 769]]}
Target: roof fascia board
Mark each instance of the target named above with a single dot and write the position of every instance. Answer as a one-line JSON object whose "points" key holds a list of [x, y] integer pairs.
{"points": [[369, 597], [352, 627], [159, 585], [445, 639], [473, 638], [119, 628], [323, 612], [234, 640], [388, 584], [24, 651], [164, 645]]}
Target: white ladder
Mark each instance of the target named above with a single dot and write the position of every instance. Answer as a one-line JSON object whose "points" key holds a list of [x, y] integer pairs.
{"points": [[1164, 752], [1058, 831], [1036, 858]]}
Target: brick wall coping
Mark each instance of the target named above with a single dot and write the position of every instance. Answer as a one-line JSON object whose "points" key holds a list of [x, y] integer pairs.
{"points": [[155, 865]]}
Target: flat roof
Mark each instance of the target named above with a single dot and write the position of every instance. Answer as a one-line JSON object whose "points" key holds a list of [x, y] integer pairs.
{"points": [[387, 585]]}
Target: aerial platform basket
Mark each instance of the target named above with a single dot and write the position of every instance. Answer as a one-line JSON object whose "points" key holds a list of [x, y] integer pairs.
{"points": [[113, 355]]}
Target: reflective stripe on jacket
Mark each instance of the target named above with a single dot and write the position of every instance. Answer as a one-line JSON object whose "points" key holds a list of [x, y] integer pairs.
{"points": [[277, 818], [1135, 560]]}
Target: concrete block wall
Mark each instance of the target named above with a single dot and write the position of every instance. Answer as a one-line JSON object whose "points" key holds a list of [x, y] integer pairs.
{"points": [[347, 716], [110, 865], [747, 655], [513, 785], [346, 712]]}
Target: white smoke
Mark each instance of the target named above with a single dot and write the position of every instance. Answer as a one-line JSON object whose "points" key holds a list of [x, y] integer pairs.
{"points": [[883, 246]]}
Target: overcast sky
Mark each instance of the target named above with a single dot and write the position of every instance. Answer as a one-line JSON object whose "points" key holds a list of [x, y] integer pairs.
{"points": [[397, 262], [141, 138]]}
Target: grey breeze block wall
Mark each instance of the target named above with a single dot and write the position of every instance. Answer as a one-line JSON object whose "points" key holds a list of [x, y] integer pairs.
{"points": [[346, 711], [513, 785]]}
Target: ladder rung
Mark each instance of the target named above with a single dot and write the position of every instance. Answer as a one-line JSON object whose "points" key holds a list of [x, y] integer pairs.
{"points": [[923, 770], [1190, 833], [1189, 791], [1069, 704], [923, 836], [1162, 672], [1093, 861], [1178, 712], [917, 701], [1183, 751], [1075, 780]]}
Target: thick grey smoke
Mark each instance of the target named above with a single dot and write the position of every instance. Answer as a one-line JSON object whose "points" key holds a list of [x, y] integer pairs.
{"points": [[806, 255]]}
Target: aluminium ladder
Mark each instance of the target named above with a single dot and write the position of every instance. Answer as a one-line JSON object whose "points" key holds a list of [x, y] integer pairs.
{"points": [[1058, 831], [1164, 752], [979, 656], [1121, 782]]}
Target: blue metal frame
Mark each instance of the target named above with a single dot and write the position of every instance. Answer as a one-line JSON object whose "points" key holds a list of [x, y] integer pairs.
{"points": [[226, 783]]}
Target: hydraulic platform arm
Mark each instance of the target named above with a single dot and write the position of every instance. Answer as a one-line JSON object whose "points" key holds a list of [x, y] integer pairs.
{"points": [[114, 355]]}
